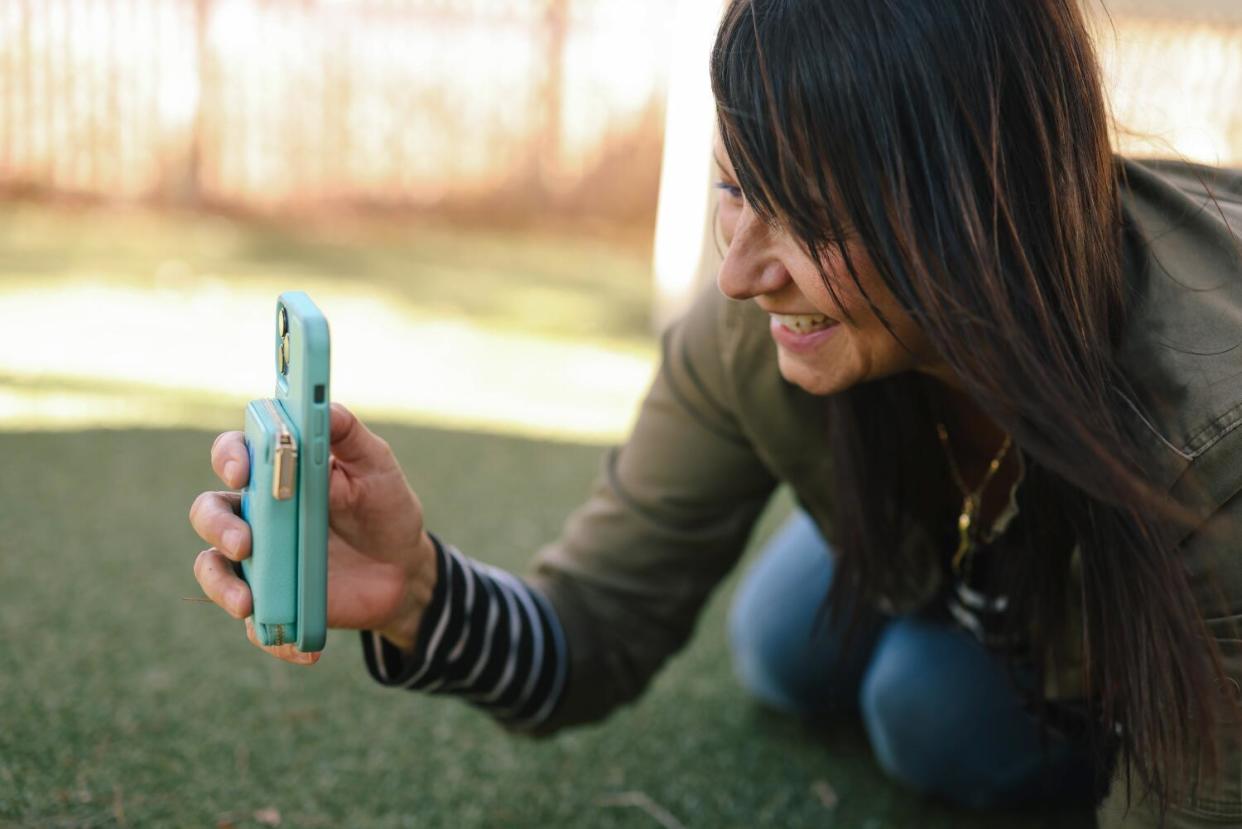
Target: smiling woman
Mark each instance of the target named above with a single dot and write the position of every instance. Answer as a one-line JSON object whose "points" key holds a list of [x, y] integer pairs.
{"points": [[998, 248], [809, 299], [998, 367]]}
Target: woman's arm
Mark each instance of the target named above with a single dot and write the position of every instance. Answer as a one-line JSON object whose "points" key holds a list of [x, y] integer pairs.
{"points": [[669, 515], [487, 637]]}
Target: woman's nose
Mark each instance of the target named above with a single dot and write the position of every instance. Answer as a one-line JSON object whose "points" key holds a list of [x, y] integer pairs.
{"points": [[751, 266]]}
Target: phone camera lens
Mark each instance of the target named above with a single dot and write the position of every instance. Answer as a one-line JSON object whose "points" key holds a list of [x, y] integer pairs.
{"points": [[282, 322], [282, 355]]}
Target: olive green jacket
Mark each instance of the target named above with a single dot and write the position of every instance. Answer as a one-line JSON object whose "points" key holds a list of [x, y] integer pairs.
{"points": [[720, 429]]}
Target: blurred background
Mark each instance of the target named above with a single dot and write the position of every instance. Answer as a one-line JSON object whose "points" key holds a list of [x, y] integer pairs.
{"points": [[497, 203], [459, 183], [466, 187]]}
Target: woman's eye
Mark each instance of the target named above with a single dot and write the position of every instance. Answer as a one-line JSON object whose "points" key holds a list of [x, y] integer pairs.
{"points": [[731, 190]]}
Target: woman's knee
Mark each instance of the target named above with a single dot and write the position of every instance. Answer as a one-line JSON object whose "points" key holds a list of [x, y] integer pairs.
{"points": [[907, 722], [919, 727], [944, 719], [784, 651]]}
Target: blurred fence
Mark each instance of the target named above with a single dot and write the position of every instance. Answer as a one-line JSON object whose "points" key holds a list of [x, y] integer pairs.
{"points": [[508, 103], [272, 102]]}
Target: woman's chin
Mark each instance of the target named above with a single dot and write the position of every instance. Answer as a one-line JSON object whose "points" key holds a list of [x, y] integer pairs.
{"points": [[810, 378]]}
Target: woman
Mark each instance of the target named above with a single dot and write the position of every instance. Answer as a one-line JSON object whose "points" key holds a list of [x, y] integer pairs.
{"points": [[995, 363]]}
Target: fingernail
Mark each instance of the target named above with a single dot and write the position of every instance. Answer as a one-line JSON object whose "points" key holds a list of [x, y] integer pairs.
{"points": [[230, 471], [233, 541]]}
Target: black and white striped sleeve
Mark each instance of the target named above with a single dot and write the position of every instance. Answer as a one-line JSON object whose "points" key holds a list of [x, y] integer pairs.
{"points": [[487, 637]]}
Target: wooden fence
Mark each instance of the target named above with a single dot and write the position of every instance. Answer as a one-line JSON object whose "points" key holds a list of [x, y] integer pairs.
{"points": [[271, 102]]}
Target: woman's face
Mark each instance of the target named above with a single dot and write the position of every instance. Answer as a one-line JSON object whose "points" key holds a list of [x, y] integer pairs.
{"points": [[819, 349]]}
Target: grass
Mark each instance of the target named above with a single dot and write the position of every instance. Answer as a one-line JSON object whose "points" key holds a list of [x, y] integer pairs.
{"points": [[122, 704]]}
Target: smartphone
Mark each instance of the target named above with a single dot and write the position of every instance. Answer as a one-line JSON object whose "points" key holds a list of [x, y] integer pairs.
{"points": [[288, 442]]}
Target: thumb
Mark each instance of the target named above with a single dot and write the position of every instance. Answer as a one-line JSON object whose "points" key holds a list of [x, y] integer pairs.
{"points": [[354, 443]]}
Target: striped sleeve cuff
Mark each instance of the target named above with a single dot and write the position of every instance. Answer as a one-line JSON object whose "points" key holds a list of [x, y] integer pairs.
{"points": [[487, 637]]}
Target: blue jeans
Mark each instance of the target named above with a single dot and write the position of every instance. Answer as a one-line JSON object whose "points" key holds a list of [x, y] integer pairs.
{"points": [[942, 714]]}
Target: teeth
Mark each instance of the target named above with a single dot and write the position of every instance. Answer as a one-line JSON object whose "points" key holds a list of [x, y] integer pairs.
{"points": [[803, 323]]}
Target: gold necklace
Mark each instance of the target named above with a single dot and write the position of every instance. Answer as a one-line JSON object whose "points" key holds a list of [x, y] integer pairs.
{"points": [[972, 500]]}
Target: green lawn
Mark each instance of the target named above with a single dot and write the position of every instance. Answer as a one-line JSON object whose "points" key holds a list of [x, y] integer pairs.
{"points": [[123, 704]]}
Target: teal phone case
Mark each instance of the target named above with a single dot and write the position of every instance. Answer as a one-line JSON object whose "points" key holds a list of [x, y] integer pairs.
{"points": [[302, 387], [270, 506], [286, 499]]}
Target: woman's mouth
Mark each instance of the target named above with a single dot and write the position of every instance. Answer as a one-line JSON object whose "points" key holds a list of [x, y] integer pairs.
{"points": [[802, 333], [804, 323]]}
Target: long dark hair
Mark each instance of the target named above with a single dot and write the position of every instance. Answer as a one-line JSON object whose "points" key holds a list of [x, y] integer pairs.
{"points": [[964, 144]]}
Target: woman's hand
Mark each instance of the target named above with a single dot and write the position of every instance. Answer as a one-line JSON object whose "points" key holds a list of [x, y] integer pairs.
{"points": [[381, 562]]}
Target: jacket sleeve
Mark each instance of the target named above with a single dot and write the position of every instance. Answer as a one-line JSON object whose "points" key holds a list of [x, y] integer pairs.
{"points": [[1213, 560], [669, 515]]}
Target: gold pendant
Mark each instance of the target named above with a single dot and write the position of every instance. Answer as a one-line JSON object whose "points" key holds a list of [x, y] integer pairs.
{"points": [[965, 541]]}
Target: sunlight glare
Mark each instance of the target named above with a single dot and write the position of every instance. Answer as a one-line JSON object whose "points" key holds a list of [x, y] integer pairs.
{"points": [[149, 357]]}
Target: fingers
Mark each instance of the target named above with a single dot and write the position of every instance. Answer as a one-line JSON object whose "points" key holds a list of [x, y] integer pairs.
{"points": [[214, 516], [221, 584], [355, 444], [230, 460], [288, 653], [215, 575]]}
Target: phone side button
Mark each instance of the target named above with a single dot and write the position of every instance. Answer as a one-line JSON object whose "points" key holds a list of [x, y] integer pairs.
{"points": [[319, 448], [319, 421]]}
